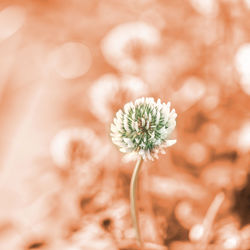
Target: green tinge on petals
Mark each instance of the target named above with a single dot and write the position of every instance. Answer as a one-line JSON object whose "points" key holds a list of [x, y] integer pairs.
{"points": [[143, 127]]}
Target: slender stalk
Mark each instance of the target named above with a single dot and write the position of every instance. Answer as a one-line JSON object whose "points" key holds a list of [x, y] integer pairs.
{"points": [[209, 219], [133, 200]]}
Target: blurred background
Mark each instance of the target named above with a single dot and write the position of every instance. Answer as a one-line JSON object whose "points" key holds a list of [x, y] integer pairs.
{"points": [[66, 67]]}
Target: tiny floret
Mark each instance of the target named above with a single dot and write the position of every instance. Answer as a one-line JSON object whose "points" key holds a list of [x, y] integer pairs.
{"points": [[143, 128]]}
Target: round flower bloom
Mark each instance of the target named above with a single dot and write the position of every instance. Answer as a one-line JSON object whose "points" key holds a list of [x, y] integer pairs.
{"points": [[143, 128], [127, 43], [73, 145]]}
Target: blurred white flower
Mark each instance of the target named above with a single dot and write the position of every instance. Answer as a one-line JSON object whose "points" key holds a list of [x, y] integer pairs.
{"points": [[70, 60], [205, 7], [125, 43], [73, 145], [243, 141], [12, 19], [242, 64], [247, 3], [228, 235], [92, 237], [109, 89], [196, 233], [190, 93], [143, 128]]}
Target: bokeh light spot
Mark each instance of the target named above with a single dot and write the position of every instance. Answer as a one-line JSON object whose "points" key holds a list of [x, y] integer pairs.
{"points": [[71, 60], [124, 45], [242, 64], [232, 242], [244, 137], [197, 153], [11, 20], [196, 232], [205, 7]]}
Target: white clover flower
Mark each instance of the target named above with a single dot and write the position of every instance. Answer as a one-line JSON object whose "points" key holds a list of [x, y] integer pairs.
{"points": [[73, 145], [143, 128], [110, 87], [119, 45]]}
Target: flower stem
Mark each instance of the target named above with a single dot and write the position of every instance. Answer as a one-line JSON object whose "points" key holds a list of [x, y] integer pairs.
{"points": [[209, 219], [133, 200]]}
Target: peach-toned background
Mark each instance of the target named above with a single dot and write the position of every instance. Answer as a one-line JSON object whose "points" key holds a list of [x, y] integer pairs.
{"points": [[66, 67]]}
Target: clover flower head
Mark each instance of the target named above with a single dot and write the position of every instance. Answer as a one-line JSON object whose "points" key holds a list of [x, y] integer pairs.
{"points": [[73, 145], [143, 128]]}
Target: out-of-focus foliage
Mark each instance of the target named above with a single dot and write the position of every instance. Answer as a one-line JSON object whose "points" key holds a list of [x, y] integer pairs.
{"points": [[66, 67]]}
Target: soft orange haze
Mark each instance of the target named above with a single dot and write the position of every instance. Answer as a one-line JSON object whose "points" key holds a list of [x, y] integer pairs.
{"points": [[67, 67]]}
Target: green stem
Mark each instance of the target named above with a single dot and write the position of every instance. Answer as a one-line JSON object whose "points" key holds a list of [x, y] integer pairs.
{"points": [[133, 201]]}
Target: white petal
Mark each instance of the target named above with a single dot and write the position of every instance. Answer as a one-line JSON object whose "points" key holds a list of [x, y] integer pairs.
{"points": [[158, 142], [123, 150], [170, 142], [158, 115], [172, 112], [139, 101], [119, 114], [128, 142], [136, 126], [149, 117], [162, 151], [113, 128], [126, 125], [153, 135], [149, 156], [141, 152], [154, 111], [166, 110], [143, 121], [158, 104], [127, 107], [133, 156]]}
